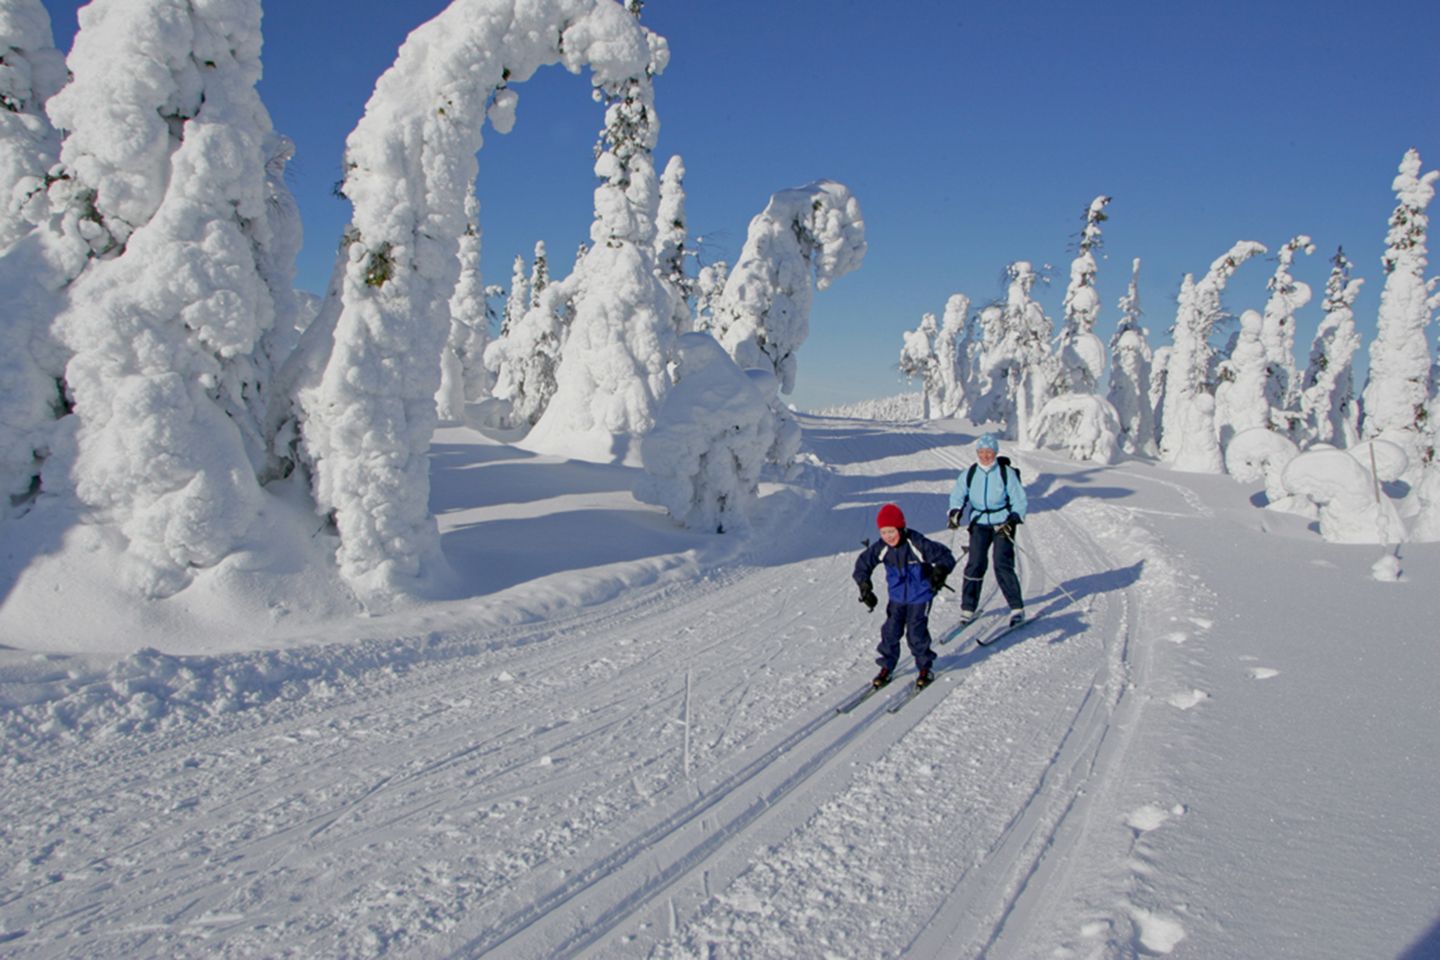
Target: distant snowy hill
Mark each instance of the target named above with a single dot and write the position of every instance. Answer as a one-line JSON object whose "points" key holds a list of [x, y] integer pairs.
{"points": [[617, 738]]}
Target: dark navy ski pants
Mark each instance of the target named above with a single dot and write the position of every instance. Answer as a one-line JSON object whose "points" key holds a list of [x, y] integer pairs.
{"points": [[913, 620], [982, 536]]}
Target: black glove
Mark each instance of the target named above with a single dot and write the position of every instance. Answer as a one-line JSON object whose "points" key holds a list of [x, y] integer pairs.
{"points": [[1007, 529], [952, 520], [867, 596], [937, 578]]}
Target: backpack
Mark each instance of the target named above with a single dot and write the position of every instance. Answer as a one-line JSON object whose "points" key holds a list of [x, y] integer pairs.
{"points": [[1005, 464]]}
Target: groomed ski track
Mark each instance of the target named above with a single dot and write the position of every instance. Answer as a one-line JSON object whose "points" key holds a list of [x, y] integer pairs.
{"points": [[661, 775]]}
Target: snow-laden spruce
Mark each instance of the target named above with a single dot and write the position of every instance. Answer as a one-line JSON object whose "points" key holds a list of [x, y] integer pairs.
{"points": [[172, 168], [1081, 354], [1084, 425], [1399, 387], [527, 358], [703, 458], [1287, 297], [950, 351], [463, 377], [802, 241], [1023, 360], [410, 162], [1241, 403], [33, 265], [31, 72], [672, 242], [1131, 362], [1187, 368], [1327, 394], [988, 361], [615, 368], [918, 360]]}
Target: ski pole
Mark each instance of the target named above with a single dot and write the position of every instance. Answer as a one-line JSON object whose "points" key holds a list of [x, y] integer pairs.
{"points": [[1058, 585]]}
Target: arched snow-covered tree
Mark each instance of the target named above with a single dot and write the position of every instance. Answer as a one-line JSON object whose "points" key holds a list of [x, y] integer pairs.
{"points": [[1327, 394], [33, 263], [803, 241], [1398, 390], [169, 167], [1130, 373], [1287, 297], [1187, 369], [409, 165]]}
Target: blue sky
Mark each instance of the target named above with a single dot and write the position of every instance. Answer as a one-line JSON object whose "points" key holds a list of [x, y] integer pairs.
{"points": [[973, 134]]}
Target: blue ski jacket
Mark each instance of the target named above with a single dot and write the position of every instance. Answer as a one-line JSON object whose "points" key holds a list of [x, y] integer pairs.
{"points": [[993, 494], [907, 565]]}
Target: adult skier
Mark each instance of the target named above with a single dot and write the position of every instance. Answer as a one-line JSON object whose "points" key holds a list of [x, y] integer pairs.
{"points": [[992, 491], [915, 570]]}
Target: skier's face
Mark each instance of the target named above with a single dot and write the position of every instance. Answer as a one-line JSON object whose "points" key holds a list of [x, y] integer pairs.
{"points": [[986, 456], [890, 535]]}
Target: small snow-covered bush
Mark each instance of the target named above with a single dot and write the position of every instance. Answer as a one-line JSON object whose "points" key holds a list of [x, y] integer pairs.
{"points": [[703, 458], [1345, 492], [1086, 426], [1262, 454]]}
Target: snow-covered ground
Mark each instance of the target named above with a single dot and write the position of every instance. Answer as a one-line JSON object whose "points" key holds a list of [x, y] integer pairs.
{"points": [[618, 738]]}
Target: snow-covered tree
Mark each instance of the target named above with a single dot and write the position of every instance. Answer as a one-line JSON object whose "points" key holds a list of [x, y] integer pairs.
{"points": [[409, 165], [517, 301], [169, 168], [1352, 507], [803, 240], [1260, 453], [1159, 374], [1327, 394], [671, 241], [31, 72], [989, 357], [709, 290], [1084, 425], [1130, 374], [1188, 367], [463, 377], [703, 459], [539, 273], [33, 264], [526, 361], [1287, 297], [1081, 354], [1024, 358], [918, 360], [1240, 398], [613, 378], [1398, 391], [950, 352]]}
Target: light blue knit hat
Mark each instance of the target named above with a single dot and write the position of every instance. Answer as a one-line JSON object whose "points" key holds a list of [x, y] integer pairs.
{"points": [[987, 441]]}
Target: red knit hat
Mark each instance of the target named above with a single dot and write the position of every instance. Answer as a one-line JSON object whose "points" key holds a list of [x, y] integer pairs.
{"points": [[890, 516]]}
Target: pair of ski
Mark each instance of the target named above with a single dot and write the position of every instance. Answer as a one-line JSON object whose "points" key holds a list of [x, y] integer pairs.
{"points": [[905, 697], [853, 702]]}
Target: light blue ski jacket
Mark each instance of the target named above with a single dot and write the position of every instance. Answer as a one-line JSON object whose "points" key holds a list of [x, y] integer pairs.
{"points": [[991, 499]]}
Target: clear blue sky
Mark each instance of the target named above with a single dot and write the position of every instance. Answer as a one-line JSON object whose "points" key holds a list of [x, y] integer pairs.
{"points": [[973, 134]]}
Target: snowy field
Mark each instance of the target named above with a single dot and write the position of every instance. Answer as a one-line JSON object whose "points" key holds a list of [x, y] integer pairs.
{"points": [[1218, 739]]}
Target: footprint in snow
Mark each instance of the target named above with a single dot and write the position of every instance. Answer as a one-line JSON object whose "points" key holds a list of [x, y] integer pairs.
{"points": [[1151, 817], [1157, 933], [1263, 673], [1188, 699]]}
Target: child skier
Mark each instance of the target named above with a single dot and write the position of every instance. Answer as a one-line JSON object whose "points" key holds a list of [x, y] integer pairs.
{"points": [[996, 498], [915, 570]]}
